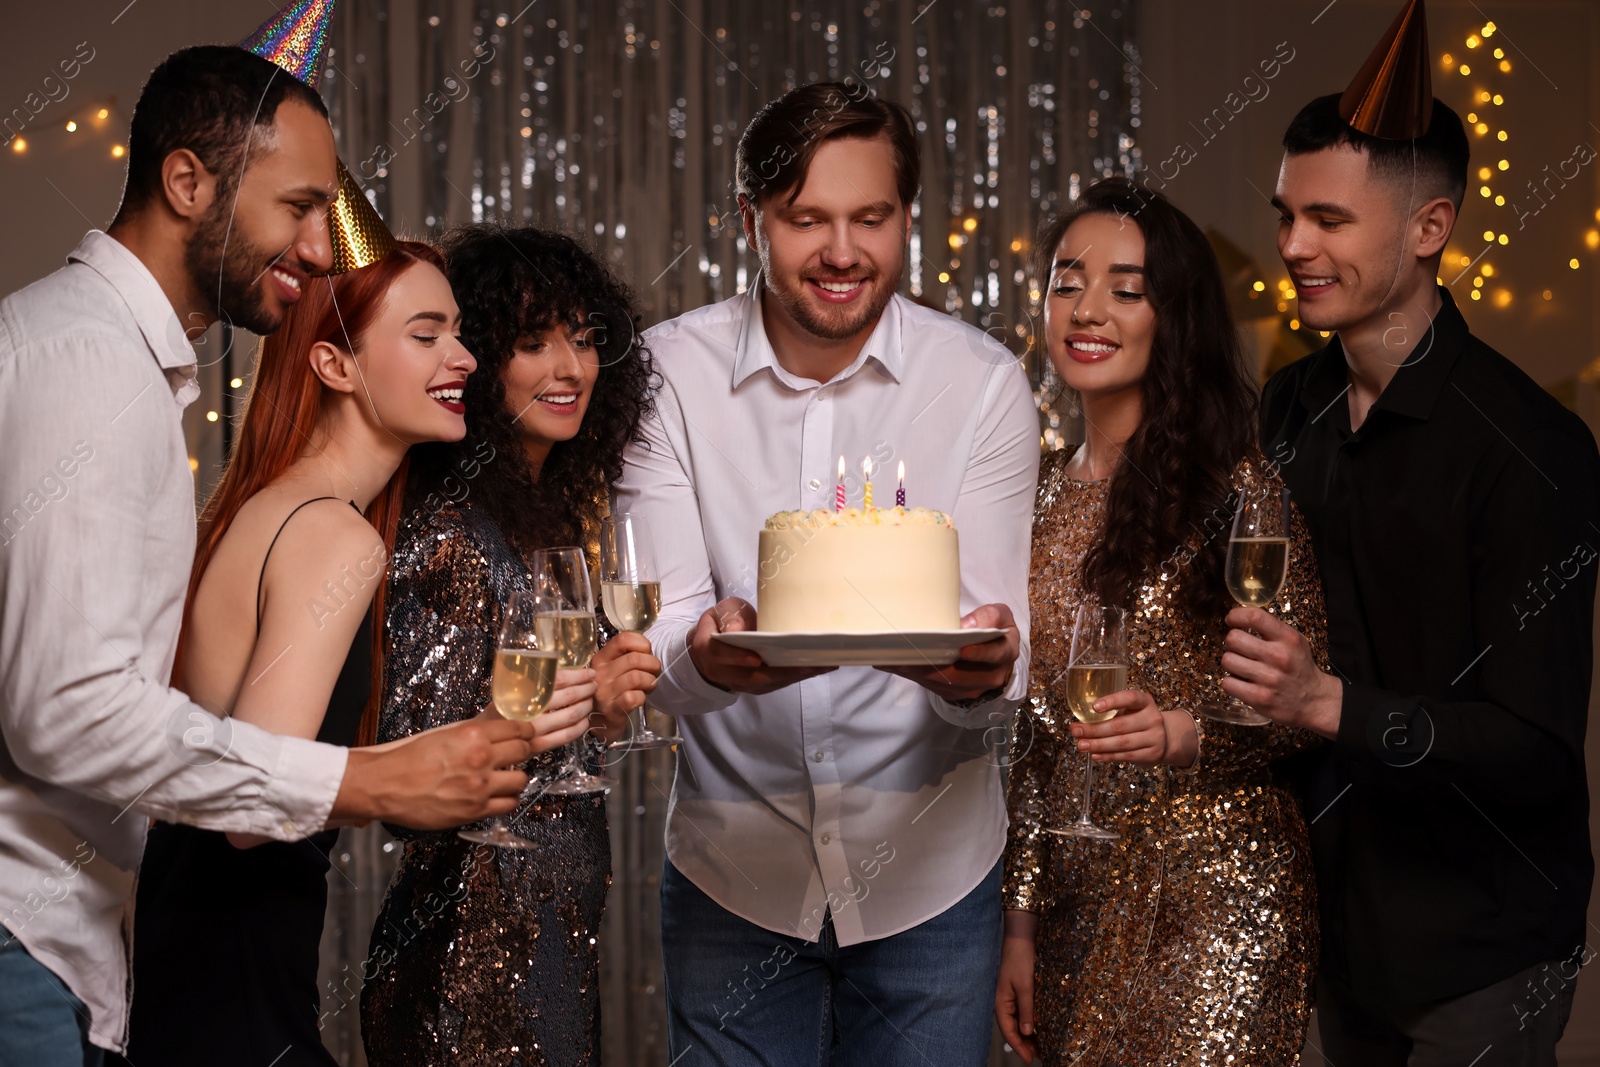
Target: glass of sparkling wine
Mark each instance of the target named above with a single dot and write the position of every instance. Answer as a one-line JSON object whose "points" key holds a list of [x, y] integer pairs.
{"points": [[565, 620], [1097, 667], [630, 592], [1258, 563], [524, 679]]}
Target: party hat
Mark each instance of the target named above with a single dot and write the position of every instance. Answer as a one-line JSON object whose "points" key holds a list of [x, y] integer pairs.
{"points": [[296, 39], [359, 235], [1392, 96]]}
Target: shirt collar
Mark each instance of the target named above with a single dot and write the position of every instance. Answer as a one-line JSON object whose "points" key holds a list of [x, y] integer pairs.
{"points": [[151, 310], [755, 349], [1416, 385]]}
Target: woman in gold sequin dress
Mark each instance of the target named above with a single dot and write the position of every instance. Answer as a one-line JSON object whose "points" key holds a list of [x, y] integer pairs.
{"points": [[480, 955], [1191, 939]]}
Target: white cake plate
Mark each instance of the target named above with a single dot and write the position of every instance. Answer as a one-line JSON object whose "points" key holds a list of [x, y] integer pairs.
{"points": [[891, 648]]}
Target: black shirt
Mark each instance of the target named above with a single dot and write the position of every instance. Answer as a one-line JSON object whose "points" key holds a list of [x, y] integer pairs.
{"points": [[1456, 531]]}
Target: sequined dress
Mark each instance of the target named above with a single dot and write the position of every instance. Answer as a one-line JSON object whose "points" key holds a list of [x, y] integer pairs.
{"points": [[480, 955], [1192, 939]]}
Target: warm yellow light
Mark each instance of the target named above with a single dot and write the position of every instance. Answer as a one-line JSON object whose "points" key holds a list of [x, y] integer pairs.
{"points": [[194, 464], [1505, 66], [1488, 235], [1499, 201], [102, 113], [1484, 172], [1465, 69], [1548, 295], [1499, 53], [943, 276], [236, 383], [1483, 190], [1476, 295], [1325, 333], [1502, 298], [1483, 96], [1482, 128], [1498, 99], [1597, 214], [1505, 164], [1477, 283], [1502, 135], [1504, 238], [1260, 287], [969, 225], [117, 151], [1592, 238], [1466, 261], [526, 131], [212, 416], [1488, 270], [1016, 246], [1294, 324], [1282, 306], [1489, 28], [1473, 42], [955, 240], [1288, 294], [19, 145], [1472, 116], [1573, 262], [72, 126], [1448, 60]]}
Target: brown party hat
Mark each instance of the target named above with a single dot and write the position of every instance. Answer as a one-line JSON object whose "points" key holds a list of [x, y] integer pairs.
{"points": [[358, 234], [1392, 96]]}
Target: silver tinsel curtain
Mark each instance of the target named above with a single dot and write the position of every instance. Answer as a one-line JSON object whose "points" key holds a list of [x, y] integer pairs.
{"points": [[617, 121]]}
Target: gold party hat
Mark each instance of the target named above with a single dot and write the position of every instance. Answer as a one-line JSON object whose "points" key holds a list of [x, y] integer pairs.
{"points": [[1392, 96], [358, 233]]}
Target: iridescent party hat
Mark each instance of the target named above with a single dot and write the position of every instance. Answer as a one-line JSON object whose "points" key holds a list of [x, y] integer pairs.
{"points": [[1392, 96], [296, 39]]}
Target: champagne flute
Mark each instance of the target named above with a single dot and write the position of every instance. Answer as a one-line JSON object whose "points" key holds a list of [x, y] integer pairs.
{"points": [[524, 679], [1097, 667], [1258, 563], [565, 620], [631, 595]]}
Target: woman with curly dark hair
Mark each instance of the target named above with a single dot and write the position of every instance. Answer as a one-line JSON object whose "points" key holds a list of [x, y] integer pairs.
{"points": [[483, 954], [1190, 938]]}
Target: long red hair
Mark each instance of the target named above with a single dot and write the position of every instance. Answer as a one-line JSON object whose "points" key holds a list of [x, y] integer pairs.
{"points": [[281, 417]]}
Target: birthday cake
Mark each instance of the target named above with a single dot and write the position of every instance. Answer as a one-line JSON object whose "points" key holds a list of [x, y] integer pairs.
{"points": [[859, 570]]}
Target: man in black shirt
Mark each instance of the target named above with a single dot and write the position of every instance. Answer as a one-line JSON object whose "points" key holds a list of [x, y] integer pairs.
{"points": [[1453, 507]]}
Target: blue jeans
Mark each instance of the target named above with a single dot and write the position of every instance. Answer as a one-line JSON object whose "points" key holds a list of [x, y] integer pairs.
{"points": [[41, 1023], [739, 994]]}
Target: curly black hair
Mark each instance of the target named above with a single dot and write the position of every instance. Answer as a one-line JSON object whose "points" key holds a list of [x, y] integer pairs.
{"points": [[512, 283], [1199, 421]]}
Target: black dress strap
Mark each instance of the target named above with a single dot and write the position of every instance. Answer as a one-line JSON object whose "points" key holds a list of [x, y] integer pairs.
{"points": [[260, 578]]}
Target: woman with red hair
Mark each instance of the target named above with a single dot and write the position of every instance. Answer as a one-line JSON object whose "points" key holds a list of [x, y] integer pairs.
{"points": [[291, 558]]}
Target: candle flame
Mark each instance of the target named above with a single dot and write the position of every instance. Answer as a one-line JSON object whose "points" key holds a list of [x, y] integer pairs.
{"points": [[902, 470], [866, 468], [841, 468]]}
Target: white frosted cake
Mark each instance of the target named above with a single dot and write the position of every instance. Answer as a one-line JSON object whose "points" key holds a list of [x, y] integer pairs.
{"points": [[859, 571]]}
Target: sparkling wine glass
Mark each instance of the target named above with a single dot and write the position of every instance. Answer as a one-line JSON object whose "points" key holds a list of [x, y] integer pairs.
{"points": [[1097, 667], [1258, 563], [524, 679], [630, 592], [565, 619]]}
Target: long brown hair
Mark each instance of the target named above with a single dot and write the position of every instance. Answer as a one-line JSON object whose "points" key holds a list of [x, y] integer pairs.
{"points": [[1175, 477], [282, 413]]}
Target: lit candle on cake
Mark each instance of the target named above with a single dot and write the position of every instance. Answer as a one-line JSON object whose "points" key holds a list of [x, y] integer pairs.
{"points": [[900, 493], [866, 476], [838, 492]]}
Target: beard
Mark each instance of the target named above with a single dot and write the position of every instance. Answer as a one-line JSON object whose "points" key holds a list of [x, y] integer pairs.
{"points": [[233, 278], [828, 323]]}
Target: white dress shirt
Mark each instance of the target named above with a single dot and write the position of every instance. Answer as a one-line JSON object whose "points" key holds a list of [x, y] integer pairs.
{"points": [[857, 791], [97, 538]]}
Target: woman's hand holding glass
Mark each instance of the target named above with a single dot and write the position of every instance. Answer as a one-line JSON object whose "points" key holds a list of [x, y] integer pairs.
{"points": [[1140, 732], [569, 714], [626, 672]]}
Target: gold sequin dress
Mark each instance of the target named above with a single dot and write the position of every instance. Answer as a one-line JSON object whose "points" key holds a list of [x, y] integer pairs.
{"points": [[1192, 940], [480, 956]]}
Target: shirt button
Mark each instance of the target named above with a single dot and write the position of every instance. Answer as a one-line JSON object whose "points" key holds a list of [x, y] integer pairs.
{"points": [[818, 757], [814, 484], [826, 838]]}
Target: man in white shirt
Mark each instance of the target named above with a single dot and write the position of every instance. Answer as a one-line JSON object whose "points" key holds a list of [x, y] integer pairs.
{"points": [[230, 167], [833, 840]]}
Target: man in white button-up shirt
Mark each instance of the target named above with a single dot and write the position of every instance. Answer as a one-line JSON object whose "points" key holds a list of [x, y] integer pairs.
{"points": [[230, 166], [834, 836]]}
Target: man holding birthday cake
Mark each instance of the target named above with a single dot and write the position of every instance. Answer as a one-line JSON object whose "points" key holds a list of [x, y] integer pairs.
{"points": [[833, 842]]}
